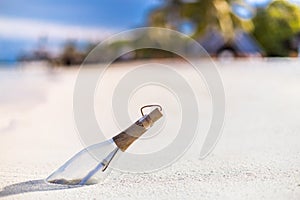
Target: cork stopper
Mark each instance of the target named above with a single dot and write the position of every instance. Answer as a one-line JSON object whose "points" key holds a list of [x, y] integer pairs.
{"points": [[127, 137]]}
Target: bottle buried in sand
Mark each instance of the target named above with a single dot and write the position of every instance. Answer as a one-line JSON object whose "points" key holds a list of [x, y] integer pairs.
{"points": [[84, 169]]}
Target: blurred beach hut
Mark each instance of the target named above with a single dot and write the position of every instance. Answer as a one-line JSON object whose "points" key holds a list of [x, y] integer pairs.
{"points": [[296, 43], [242, 45]]}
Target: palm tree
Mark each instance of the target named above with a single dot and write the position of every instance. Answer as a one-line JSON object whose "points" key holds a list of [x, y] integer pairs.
{"points": [[205, 14]]}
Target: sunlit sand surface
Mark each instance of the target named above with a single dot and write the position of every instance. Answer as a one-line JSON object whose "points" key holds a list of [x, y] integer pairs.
{"points": [[257, 157]]}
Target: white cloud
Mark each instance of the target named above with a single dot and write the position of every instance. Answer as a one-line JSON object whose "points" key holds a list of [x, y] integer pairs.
{"points": [[33, 29]]}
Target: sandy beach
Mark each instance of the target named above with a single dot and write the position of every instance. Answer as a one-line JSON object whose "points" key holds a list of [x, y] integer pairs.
{"points": [[257, 157]]}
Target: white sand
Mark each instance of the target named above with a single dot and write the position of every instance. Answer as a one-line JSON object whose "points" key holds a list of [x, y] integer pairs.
{"points": [[258, 156]]}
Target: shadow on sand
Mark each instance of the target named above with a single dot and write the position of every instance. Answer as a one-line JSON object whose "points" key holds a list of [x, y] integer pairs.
{"points": [[32, 186]]}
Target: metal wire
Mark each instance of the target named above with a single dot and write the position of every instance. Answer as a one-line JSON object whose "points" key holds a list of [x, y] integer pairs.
{"points": [[149, 106]]}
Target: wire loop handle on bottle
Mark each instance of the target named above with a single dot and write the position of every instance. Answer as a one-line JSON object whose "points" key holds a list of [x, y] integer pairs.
{"points": [[149, 106]]}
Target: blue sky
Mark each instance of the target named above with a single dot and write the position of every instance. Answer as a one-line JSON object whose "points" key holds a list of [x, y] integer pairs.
{"points": [[109, 13], [22, 23]]}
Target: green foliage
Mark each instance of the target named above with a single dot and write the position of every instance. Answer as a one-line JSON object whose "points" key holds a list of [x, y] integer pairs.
{"points": [[205, 14], [275, 26]]}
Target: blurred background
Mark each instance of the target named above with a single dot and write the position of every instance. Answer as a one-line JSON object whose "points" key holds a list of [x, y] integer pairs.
{"points": [[63, 32]]}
